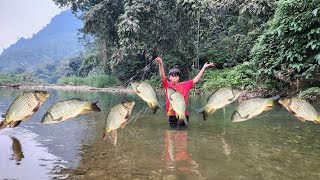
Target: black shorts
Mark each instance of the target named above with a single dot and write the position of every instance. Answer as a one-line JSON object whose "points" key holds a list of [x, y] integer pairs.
{"points": [[173, 121]]}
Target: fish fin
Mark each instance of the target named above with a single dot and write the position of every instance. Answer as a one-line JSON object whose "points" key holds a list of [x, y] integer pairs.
{"points": [[14, 124], [105, 136], [123, 125], [212, 111], [230, 99], [290, 110], [268, 108], [154, 109], [246, 117], [242, 118], [27, 117], [185, 121], [3, 124], [85, 111], [317, 121], [301, 119]]}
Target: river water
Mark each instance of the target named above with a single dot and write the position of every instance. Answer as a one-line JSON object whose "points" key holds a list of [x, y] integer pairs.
{"points": [[274, 145]]}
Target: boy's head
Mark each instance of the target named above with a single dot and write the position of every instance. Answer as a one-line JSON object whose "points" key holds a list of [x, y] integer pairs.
{"points": [[174, 75]]}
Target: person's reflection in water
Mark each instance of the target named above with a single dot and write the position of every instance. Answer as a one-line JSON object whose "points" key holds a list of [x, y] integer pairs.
{"points": [[17, 151], [175, 154]]}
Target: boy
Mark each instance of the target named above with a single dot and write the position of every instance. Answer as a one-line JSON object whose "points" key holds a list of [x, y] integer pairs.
{"points": [[182, 87]]}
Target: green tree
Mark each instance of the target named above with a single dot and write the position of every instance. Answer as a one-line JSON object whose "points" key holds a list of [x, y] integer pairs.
{"points": [[289, 50]]}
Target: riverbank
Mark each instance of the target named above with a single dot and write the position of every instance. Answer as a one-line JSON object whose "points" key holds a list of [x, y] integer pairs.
{"points": [[73, 88]]}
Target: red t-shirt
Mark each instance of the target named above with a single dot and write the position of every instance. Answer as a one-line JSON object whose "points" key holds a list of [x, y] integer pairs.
{"points": [[183, 88]]}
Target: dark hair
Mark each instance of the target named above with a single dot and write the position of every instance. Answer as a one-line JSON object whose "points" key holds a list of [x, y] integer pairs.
{"points": [[175, 71]]}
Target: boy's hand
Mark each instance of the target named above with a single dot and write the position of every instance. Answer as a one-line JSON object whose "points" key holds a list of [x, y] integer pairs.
{"points": [[208, 65], [158, 60]]}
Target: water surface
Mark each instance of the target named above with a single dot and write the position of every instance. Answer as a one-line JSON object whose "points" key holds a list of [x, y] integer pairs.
{"points": [[275, 145]]}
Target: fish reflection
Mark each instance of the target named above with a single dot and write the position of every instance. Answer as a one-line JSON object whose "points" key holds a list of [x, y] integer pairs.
{"points": [[175, 154], [17, 151]]}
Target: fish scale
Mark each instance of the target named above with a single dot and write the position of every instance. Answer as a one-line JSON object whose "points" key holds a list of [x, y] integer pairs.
{"points": [[67, 109], [219, 99], [178, 104], [117, 116], [301, 109], [145, 91], [251, 108], [22, 106]]}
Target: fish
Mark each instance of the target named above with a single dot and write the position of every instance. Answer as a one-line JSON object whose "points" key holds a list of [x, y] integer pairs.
{"points": [[253, 107], [117, 117], [178, 104], [145, 91], [23, 107], [301, 108], [219, 99], [67, 109]]}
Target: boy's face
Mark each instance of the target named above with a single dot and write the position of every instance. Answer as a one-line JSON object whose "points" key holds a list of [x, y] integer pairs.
{"points": [[174, 78]]}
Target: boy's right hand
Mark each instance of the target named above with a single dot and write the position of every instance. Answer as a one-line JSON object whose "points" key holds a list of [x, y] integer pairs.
{"points": [[158, 60]]}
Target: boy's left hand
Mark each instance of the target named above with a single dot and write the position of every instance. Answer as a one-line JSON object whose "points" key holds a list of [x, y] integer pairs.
{"points": [[208, 65]]}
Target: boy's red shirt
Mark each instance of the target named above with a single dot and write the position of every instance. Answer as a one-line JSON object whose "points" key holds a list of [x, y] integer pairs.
{"points": [[183, 88]]}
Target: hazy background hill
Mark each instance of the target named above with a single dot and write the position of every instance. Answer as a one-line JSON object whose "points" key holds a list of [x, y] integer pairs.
{"points": [[56, 42]]}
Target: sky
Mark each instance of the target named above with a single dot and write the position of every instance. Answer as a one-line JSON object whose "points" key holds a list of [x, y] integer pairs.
{"points": [[24, 18]]}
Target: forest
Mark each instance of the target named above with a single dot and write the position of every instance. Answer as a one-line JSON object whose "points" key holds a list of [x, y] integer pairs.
{"points": [[259, 45]]}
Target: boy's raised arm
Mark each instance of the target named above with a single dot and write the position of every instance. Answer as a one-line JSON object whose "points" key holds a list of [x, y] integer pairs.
{"points": [[199, 75], [161, 69]]}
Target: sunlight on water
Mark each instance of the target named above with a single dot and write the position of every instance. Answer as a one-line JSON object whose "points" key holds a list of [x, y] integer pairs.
{"points": [[274, 145]]}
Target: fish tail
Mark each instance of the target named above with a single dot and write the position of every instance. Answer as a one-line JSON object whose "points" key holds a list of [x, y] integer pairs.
{"points": [[182, 117], [154, 107], [276, 98], [3, 124], [94, 107], [317, 121], [112, 134]]}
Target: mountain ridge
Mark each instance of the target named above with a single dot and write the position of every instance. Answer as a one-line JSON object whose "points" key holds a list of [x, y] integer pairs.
{"points": [[57, 41]]}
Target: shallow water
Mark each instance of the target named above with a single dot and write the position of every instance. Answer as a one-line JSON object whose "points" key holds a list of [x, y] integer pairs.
{"points": [[275, 145]]}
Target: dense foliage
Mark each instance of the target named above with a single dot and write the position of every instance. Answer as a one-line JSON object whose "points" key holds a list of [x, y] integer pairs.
{"points": [[289, 50], [267, 44], [130, 33]]}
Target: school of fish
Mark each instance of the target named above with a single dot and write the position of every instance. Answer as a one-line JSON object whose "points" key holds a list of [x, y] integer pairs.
{"points": [[27, 103]]}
